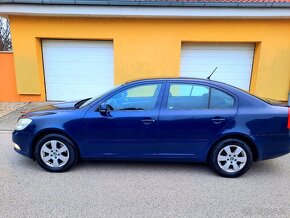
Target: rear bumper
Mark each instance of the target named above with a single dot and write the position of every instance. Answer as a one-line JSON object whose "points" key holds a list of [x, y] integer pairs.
{"points": [[272, 146]]}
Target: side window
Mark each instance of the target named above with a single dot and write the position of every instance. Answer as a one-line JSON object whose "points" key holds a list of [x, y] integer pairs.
{"points": [[220, 99], [188, 97], [142, 97]]}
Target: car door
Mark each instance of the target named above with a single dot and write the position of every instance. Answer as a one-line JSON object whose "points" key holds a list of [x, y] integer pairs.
{"points": [[191, 116], [128, 129]]}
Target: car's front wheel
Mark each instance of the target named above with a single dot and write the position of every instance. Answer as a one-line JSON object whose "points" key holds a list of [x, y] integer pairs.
{"points": [[231, 158], [55, 153]]}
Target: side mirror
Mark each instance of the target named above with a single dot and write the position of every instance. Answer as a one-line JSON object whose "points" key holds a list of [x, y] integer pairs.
{"points": [[103, 108]]}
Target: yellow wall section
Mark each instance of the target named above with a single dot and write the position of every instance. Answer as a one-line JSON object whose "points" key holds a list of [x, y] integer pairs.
{"points": [[151, 47]]}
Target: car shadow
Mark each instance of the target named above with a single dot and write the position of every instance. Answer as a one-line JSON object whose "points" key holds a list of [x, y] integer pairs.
{"points": [[258, 168], [269, 167], [141, 166]]}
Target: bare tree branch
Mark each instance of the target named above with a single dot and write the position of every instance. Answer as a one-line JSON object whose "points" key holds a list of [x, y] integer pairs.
{"points": [[5, 35]]}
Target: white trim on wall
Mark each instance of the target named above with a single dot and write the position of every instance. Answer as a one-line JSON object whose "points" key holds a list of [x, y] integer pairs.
{"points": [[139, 11]]}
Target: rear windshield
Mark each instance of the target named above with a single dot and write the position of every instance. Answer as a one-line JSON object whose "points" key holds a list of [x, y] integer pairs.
{"points": [[267, 100], [275, 102]]}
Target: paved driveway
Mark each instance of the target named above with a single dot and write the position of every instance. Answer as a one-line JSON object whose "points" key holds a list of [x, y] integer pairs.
{"points": [[119, 189], [8, 120]]}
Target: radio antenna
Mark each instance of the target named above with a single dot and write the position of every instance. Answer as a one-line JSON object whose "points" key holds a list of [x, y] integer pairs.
{"points": [[212, 73]]}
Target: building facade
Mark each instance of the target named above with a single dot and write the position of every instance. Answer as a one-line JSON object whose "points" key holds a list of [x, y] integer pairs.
{"points": [[73, 51]]}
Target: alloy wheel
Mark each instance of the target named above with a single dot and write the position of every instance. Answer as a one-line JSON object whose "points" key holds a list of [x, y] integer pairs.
{"points": [[232, 158], [54, 153]]}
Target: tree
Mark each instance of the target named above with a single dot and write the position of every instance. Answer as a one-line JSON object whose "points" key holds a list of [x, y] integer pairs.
{"points": [[5, 35]]}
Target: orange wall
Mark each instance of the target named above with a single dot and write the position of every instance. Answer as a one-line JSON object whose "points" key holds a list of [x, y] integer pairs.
{"points": [[8, 81], [7, 78], [151, 47]]}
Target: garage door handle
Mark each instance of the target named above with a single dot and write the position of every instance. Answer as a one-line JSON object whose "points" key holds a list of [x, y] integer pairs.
{"points": [[218, 120], [148, 121]]}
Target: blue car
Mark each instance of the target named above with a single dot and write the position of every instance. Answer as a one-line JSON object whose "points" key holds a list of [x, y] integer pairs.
{"points": [[171, 119]]}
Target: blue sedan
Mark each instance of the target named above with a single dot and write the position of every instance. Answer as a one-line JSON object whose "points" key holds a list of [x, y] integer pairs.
{"points": [[172, 119]]}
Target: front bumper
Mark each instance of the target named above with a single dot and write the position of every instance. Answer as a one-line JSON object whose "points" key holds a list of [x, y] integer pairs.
{"points": [[24, 141]]}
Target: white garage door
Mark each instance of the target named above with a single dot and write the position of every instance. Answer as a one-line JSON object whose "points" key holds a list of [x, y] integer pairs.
{"points": [[233, 62], [76, 69]]}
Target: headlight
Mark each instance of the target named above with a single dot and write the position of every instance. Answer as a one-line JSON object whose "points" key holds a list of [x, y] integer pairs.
{"points": [[22, 123]]}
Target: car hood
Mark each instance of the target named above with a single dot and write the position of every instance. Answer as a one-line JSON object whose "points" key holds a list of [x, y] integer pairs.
{"points": [[51, 109]]}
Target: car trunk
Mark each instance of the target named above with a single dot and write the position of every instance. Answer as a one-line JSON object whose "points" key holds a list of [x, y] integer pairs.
{"points": [[281, 104]]}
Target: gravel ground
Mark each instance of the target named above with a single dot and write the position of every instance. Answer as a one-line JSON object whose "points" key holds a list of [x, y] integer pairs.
{"points": [[7, 107], [121, 189]]}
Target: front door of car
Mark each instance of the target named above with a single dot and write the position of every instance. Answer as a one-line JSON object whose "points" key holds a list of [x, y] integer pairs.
{"points": [[128, 126], [191, 116]]}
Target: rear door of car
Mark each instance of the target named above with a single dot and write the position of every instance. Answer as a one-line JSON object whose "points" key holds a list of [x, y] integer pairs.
{"points": [[191, 116]]}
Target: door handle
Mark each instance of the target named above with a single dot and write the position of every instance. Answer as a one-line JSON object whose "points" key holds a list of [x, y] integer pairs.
{"points": [[148, 121], [218, 120]]}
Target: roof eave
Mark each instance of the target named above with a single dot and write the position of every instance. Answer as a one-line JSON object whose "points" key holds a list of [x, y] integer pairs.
{"points": [[145, 11], [151, 3]]}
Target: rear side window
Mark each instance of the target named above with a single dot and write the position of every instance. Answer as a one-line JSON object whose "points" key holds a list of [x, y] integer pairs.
{"points": [[188, 97], [194, 96], [220, 99]]}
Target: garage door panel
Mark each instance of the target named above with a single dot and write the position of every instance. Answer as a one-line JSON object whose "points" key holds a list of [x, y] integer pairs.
{"points": [[77, 44], [73, 59], [75, 91], [76, 69], [238, 68], [220, 77], [88, 59], [86, 76], [217, 46], [54, 56], [217, 60], [71, 47], [79, 80], [224, 53], [241, 83], [233, 60], [77, 66], [232, 76], [80, 73]]}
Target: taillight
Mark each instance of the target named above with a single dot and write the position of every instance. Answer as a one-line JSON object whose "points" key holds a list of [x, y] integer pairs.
{"points": [[289, 118]]}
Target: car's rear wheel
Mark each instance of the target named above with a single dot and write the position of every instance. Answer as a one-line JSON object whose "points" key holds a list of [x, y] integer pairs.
{"points": [[55, 153], [231, 158]]}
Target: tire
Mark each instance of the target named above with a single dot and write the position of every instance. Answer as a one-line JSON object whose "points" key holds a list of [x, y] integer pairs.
{"points": [[55, 153], [231, 158]]}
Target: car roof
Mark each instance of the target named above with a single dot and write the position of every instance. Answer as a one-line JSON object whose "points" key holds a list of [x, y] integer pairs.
{"points": [[192, 79], [168, 79]]}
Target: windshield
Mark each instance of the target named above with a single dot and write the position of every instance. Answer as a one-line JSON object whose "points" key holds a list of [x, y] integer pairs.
{"points": [[85, 102]]}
